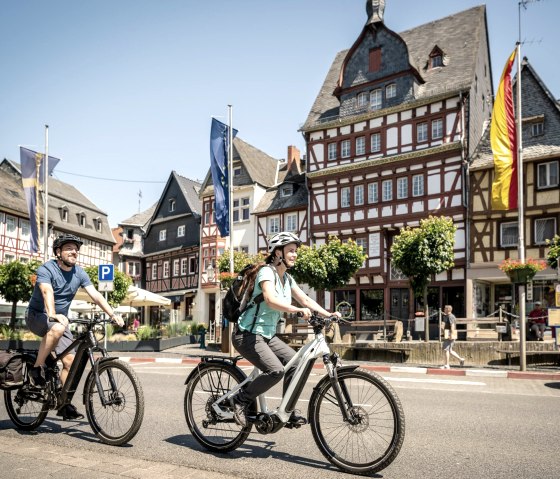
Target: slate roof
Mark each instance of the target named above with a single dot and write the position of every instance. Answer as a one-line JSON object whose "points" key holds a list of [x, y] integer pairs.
{"points": [[191, 190], [534, 102], [140, 219], [12, 198], [259, 167], [458, 36]]}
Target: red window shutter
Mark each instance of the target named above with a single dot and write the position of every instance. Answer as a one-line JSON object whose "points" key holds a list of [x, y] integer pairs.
{"points": [[375, 59]]}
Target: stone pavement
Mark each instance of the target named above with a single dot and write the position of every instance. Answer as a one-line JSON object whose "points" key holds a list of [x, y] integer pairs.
{"points": [[22, 458], [191, 353]]}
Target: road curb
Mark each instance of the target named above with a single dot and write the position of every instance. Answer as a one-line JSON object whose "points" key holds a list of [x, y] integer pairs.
{"points": [[545, 376]]}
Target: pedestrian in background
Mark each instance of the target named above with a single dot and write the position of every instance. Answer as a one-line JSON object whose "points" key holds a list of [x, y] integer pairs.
{"points": [[449, 326]]}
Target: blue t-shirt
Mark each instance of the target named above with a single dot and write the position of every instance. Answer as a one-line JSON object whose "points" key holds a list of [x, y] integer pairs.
{"points": [[267, 318], [65, 285]]}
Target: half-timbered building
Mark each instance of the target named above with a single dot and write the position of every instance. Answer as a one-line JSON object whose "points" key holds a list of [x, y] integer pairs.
{"points": [[69, 212], [284, 205], [495, 234], [171, 247], [387, 141], [253, 173]]}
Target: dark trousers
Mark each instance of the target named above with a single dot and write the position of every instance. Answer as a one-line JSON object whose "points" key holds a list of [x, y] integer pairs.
{"points": [[270, 356]]}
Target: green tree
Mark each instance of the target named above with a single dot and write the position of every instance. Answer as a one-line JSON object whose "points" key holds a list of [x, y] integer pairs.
{"points": [[16, 283], [422, 252], [121, 282], [240, 260], [553, 252], [328, 266]]}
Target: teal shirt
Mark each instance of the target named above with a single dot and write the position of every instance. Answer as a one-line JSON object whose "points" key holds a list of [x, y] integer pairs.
{"points": [[267, 318]]}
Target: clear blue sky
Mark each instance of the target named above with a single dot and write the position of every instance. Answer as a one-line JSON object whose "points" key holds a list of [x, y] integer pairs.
{"points": [[128, 87]]}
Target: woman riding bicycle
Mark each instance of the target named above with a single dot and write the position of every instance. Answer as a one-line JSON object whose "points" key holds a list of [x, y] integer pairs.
{"points": [[255, 335]]}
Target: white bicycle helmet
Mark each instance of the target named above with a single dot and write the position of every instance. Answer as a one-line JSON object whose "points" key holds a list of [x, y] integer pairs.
{"points": [[282, 239]]}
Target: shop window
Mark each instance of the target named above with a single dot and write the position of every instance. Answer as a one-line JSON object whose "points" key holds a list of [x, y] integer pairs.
{"points": [[345, 304], [372, 304]]}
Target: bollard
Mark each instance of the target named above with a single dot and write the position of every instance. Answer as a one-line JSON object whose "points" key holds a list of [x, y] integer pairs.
{"points": [[202, 333]]}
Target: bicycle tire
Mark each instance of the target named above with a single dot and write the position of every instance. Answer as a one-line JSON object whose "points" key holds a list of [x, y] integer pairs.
{"points": [[210, 382], [374, 441], [27, 409], [116, 423]]}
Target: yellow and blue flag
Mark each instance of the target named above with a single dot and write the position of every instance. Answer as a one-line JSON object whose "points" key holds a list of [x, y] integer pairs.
{"points": [[33, 177]]}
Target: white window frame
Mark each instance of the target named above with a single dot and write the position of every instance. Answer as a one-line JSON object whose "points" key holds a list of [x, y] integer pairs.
{"points": [[358, 195], [391, 90], [437, 128], [331, 151], [402, 188], [376, 99], [545, 174], [154, 270], [345, 197], [513, 239], [162, 235], [436, 61], [373, 193], [11, 226], [418, 185], [361, 145], [25, 228], [166, 269], [176, 265], [172, 205], [375, 142], [422, 132], [273, 225], [192, 265], [345, 148], [291, 222], [536, 228], [286, 190], [387, 187], [363, 99], [184, 263], [181, 231], [241, 209]]}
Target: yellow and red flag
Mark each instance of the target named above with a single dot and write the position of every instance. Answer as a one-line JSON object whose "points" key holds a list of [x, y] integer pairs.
{"points": [[503, 140]]}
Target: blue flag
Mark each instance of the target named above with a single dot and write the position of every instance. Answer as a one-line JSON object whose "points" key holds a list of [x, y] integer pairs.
{"points": [[219, 147], [33, 176]]}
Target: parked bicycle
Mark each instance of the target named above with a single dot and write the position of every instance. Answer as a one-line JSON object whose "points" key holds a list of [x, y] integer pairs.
{"points": [[356, 418], [112, 393]]}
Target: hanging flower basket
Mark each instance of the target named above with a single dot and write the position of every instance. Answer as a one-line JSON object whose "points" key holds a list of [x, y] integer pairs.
{"points": [[521, 273]]}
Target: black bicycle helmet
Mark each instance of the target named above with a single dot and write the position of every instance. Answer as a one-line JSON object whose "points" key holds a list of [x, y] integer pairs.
{"points": [[282, 239], [61, 240]]}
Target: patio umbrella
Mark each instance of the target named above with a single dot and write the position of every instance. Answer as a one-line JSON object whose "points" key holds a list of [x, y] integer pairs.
{"points": [[125, 309], [141, 297], [84, 307]]}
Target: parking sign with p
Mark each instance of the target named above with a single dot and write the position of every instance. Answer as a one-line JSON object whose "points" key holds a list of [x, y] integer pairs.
{"points": [[106, 272]]}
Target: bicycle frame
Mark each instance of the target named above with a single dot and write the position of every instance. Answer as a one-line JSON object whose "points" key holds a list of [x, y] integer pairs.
{"points": [[86, 344], [305, 359]]}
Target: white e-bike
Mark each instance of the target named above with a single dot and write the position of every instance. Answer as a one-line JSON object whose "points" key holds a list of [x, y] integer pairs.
{"points": [[355, 416]]}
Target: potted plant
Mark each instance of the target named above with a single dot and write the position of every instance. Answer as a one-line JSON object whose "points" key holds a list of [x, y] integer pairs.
{"points": [[522, 272], [193, 332], [226, 279]]}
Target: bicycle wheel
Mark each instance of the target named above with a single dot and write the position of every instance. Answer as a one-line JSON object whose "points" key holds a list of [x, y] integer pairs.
{"points": [[373, 438], [203, 388], [27, 408], [118, 421]]}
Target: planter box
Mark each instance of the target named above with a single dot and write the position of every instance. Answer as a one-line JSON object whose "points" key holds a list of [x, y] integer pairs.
{"points": [[147, 344], [18, 344], [521, 275]]}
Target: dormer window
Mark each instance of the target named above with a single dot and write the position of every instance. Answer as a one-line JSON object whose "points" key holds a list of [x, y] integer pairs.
{"points": [[64, 214], [82, 220], [436, 58], [537, 129], [98, 224], [376, 99], [436, 61], [391, 91], [172, 205], [287, 190], [237, 171], [363, 98]]}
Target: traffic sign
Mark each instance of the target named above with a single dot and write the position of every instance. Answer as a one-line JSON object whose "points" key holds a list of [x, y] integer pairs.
{"points": [[105, 272], [106, 286]]}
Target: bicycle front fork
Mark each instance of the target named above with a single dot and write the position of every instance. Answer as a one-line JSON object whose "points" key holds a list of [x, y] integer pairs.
{"points": [[332, 363]]}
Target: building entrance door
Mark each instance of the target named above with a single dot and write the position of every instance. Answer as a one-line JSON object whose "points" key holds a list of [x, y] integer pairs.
{"points": [[399, 304]]}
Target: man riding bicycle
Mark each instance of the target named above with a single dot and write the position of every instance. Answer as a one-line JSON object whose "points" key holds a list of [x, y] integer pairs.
{"points": [[255, 336], [58, 281]]}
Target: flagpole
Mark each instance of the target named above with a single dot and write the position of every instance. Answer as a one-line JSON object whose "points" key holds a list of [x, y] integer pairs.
{"points": [[230, 211], [521, 217], [46, 198]]}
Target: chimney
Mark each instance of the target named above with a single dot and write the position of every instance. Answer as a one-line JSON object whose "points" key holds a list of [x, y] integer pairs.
{"points": [[294, 158]]}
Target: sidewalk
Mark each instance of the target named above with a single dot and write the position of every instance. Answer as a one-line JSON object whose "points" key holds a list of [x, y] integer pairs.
{"points": [[191, 353], [22, 458]]}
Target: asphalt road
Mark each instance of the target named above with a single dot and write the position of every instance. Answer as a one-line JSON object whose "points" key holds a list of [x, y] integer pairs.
{"points": [[460, 427]]}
